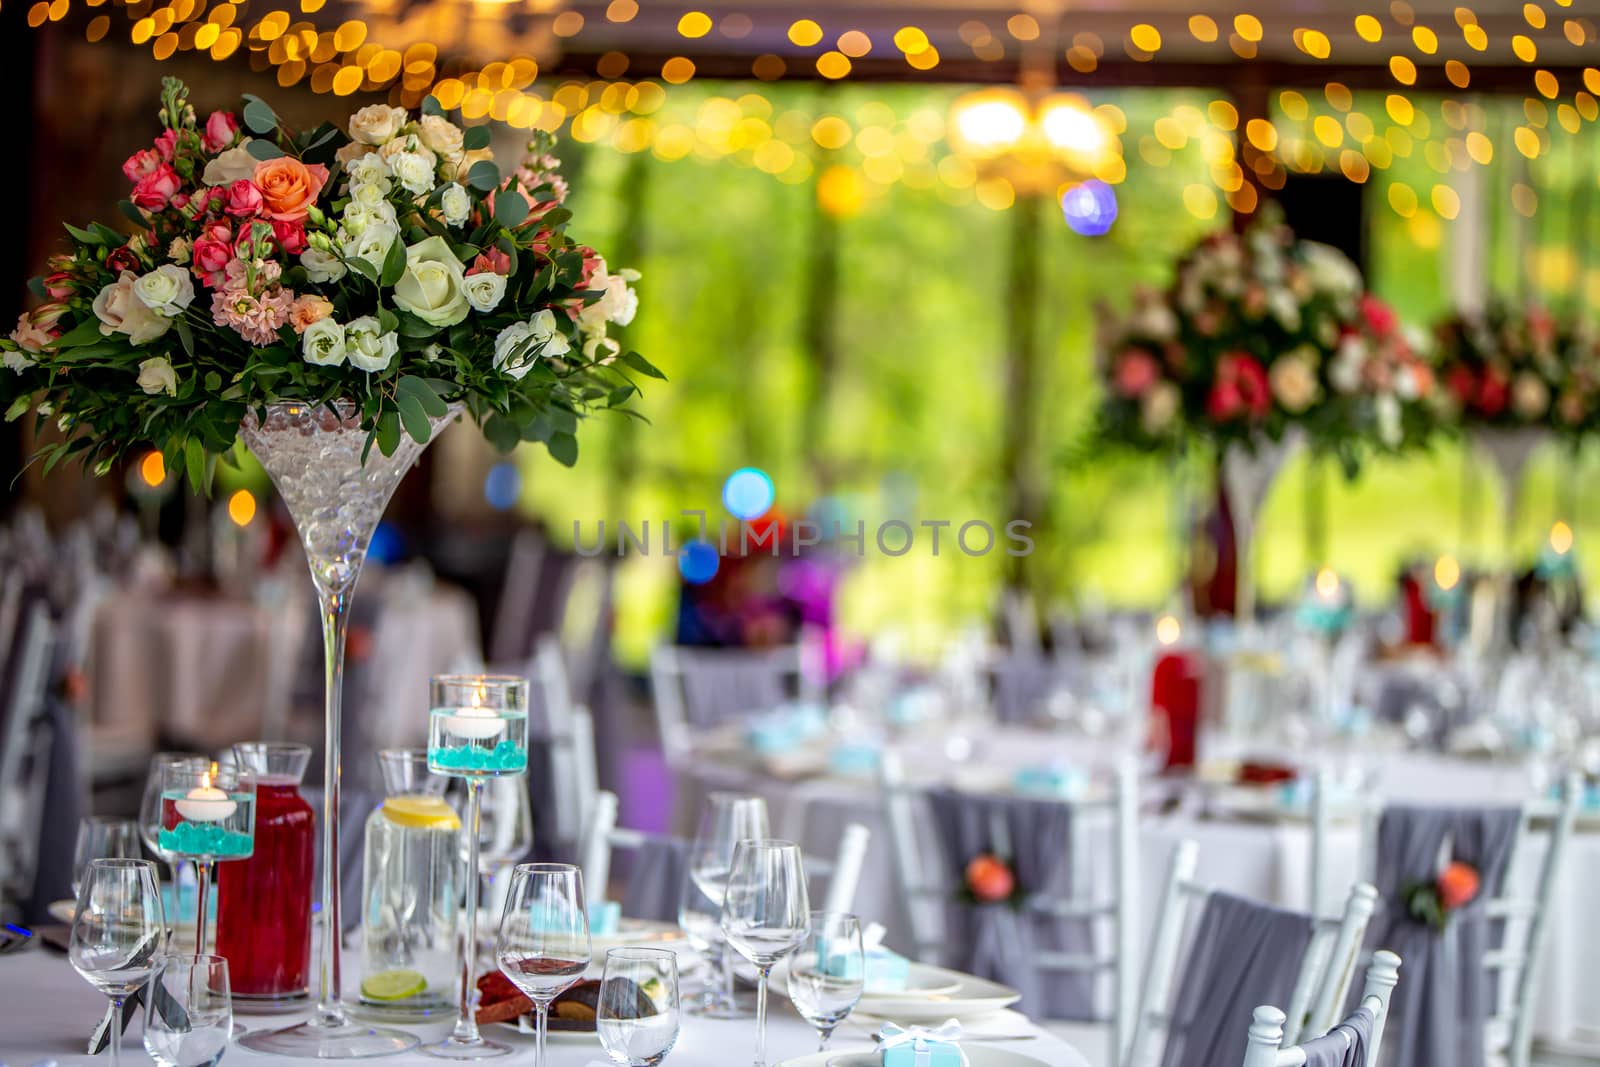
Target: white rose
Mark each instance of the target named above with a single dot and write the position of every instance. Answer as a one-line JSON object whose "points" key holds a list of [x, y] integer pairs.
{"points": [[157, 376], [371, 244], [410, 144], [322, 266], [1155, 319], [1331, 271], [368, 347], [1293, 382], [236, 164], [433, 353], [519, 345], [1390, 429], [323, 343], [369, 169], [432, 288], [455, 203], [166, 290], [358, 216], [1348, 362], [413, 171], [370, 194], [1284, 308], [120, 311], [376, 123], [441, 135], [1530, 397], [485, 290], [619, 303]]}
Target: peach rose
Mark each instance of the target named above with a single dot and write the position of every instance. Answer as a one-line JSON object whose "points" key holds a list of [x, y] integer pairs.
{"points": [[1457, 885], [289, 187]]}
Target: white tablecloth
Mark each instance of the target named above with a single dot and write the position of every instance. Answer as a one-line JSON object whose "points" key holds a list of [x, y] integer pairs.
{"points": [[48, 1012]]}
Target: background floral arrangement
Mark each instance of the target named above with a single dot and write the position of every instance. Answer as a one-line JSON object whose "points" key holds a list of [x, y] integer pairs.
{"points": [[1259, 334], [1517, 368], [393, 265]]}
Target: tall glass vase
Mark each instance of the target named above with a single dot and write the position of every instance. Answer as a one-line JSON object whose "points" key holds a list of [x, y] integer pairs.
{"points": [[314, 455], [1248, 471], [1509, 451]]}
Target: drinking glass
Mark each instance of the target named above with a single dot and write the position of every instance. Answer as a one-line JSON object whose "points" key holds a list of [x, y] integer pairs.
{"points": [[827, 973], [188, 1012], [208, 814], [150, 819], [117, 933], [725, 820], [637, 1017], [543, 945], [765, 914], [102, 837]]}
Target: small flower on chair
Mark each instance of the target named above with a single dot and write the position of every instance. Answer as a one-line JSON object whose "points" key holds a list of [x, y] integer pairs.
{"points": [[990, 880], [1433, 902]]}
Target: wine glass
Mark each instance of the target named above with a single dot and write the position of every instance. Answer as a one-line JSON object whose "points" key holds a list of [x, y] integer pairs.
{"points": [[637, 1016], [505, 832], [827, 973], [543, 944], [117, 932], [765, 914], [102, 837], [725, 820], [150, 818], [188, 1013]]}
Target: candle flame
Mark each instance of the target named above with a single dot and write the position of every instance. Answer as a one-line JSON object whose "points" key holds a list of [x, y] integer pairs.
{"points": [[1561, 538], [1168, 629], [1327, 583], [1446, 572]]}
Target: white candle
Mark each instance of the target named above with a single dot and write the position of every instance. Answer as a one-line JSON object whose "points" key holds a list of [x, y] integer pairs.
{"points": [[205, 803], [474, 724]]}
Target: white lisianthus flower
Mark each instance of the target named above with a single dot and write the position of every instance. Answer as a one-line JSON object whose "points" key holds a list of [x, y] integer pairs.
{"points": [[485, 290], [1530, 397], [372, 244], [322, 267], [323, 343], [157, 376], [1390, 430], [368, 347], [1331, 271], [370, 169], [433, 286], [358, 216], [167, 290], [410, 144], [456, 203], [413, 171], [1348, 362], [1155, 319], [236, 164], [519, 346], [601, 349], [432, 354], [370, 195], [1284, 307], [377, 124]]}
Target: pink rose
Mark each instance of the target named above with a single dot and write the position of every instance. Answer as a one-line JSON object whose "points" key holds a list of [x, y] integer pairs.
{"points": [[490, 261], [167, 144], [212, 251], [152, 191], [291, 236], [143, 162], [221, 128], [1136, 372], [244, 199]]}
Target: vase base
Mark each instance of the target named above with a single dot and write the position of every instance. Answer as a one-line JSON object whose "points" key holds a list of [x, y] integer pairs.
{"points": [[308, 1041], [453, 1048]]}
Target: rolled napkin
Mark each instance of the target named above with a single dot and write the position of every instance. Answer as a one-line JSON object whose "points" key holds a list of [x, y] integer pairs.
{"points": [[922, 1046]]}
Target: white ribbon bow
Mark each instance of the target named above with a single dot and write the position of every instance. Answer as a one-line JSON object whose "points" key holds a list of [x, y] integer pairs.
{"points": [[918, 1037]]}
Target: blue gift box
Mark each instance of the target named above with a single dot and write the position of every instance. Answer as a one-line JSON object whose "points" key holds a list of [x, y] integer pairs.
{"points": [[880, 971], [921, 1047], [1049, 781], [781, 729], [604, 915]]}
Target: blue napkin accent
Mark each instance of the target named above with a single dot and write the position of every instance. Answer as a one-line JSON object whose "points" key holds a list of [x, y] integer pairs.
{"points": [[1050, 780]]}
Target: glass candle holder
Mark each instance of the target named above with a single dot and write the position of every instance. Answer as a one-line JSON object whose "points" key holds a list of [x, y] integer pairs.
{"points": [[477, 730], [208, 813]]}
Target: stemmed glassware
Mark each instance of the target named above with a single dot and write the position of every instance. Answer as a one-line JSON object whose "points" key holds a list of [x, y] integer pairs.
{"points": [[150, 819], [477, 730], [637, 1016], [188, 1013], [543, 944], [118, 932], [766, 914], [102, 837], [207, 815], [828, 972], [725, 820], [505, 833]]}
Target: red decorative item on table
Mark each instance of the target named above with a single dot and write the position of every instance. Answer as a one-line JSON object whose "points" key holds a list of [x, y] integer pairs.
{"points": [[1432, 902], [1175, 695], [989, 879]]}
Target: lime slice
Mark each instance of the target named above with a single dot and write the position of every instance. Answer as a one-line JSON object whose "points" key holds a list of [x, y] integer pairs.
{"points": [[393, 985], [655, 989], [421, 812]]}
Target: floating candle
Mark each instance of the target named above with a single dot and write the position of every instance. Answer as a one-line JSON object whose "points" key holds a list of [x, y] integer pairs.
{"points": [[205, 803], [474, 724]]}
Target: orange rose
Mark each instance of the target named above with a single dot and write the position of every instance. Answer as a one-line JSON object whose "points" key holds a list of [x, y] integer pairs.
{"points": [[989, 879], [1457, 885], [289, 187]]}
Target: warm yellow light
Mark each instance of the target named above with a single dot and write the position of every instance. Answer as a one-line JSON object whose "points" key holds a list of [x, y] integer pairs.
{"points": [[1247, 27], [153, 469], [1327, 583], [833, 65], [910, 40], [854, 43], [1369, 29], [805, 33], [242, 507], [1145, 37], [989, 122], [1561, 538], [1446, 572], [1069, 125], [1168, 629], [1203, 28], [694, 24]]}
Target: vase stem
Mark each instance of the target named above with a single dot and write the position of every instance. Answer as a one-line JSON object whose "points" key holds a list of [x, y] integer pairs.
{"points": [[335, 609]]}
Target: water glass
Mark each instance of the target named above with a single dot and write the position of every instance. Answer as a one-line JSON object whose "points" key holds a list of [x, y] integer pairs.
{"points": [[637, 1017], [188, 1014], [725, 820], [766, 914], [827, 972], [118, 932], [102, 837], [543, 943]]}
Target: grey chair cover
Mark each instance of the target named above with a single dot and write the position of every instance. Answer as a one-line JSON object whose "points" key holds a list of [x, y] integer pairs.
{"points": [[1345, 1045], [66, 801], [997, 941], [1438, 1012], [728, 685], [1022, 683], [548, 847], [655, 880], [1244, 954]]}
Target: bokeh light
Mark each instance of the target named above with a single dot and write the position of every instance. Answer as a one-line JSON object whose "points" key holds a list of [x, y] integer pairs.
{"points": [[1090, 208], [242, 507], [748, 493], [502, 486], [153, 469], [698, 562]]}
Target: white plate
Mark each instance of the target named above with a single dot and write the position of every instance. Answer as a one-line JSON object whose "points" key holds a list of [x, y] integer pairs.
{"points": [[631, 932], [922, 980], [977, 1056], [972, 996]]}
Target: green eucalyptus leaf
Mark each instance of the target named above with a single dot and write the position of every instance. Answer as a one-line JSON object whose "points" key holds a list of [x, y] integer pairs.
{"points": [[194, 459], [388, 432], [185, 335], [431, 105], [388, 321], [411, 326], [563, 448], [85, 333], [502, 432], [414, 418], [84, 236], [510, 209], [258, 115], [619, 395], [483, 176], [423, 393], [260, 149], [475, 138]]}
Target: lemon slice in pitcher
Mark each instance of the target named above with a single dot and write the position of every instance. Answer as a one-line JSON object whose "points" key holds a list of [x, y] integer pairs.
{"points": [[421, 812], [393, 985]]}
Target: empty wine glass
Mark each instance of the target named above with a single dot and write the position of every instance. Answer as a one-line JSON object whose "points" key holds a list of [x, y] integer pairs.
{"points": [[117, 932], [188, 1012], [765, 914], [725, 820], [543, 944], [102, 837], [827, 972], [637, 1017]]}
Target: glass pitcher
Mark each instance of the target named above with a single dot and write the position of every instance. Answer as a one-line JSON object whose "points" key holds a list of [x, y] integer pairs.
{"points": [[264, 902], [412, 882]]}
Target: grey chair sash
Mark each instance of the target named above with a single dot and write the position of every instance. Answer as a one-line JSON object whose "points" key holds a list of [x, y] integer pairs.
{"points": [[65, 798], [729, 685], [1244, 954], [1022, 683], [997, 941], [1439, 1010], [548, 847], [659, 868], [1345, 1045]]}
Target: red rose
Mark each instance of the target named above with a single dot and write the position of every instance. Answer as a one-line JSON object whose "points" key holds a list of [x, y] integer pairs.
{"points": [[1493, 393], [212, 251], [989, 879], [1379, 317], [1463, 384], [291, 236], [152, 191], [1240, 389], [1457, 885], [244, 199], [221, 128], [143, 162], [1136, 372]]}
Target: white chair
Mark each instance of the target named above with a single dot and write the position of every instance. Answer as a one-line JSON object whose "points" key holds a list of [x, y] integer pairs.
{"points": [[924, 893], [790, 672], [1265, 1046], [568, 730], [1322, 982]]}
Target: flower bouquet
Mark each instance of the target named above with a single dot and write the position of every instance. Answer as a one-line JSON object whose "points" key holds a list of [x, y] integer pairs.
{"points": [[1517, 369], [392, 267]]}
